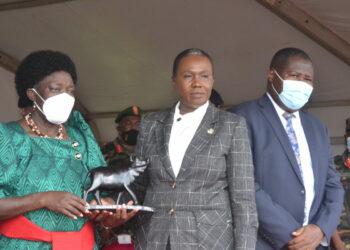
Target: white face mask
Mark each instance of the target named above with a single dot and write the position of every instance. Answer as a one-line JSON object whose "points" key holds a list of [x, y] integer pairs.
{"points": [[56, 108]]}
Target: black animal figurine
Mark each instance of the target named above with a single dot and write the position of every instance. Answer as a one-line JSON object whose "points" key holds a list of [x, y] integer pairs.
{"points": [[116, 178]]}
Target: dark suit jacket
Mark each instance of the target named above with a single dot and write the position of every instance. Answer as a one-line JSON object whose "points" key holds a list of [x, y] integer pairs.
{"points": [[280, 193], [210, 204]]}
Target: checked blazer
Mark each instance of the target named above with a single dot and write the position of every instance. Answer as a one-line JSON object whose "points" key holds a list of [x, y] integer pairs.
{"points": [[211, 203]]}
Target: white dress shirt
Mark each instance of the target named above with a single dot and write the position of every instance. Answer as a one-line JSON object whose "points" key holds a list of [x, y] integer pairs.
{"points": [[305, 158], [183, 129]]}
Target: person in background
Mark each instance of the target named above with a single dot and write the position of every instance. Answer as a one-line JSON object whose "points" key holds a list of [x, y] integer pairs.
{"points": [[215, 98], [342, 163], [200, 177], [114, 152], [298, 193], [44, 159], [122, 147]]}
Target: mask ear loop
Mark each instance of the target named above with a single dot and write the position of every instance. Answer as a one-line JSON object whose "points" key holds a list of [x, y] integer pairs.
{"points": [[36, 105], [278, 75], [272, 82]]}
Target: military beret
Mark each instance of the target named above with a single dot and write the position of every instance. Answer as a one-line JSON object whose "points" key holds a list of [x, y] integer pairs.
{"points": [[130, 111]]}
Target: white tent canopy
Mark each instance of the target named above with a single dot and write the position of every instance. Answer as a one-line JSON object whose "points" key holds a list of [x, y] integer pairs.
{"points": [[123, 50]]}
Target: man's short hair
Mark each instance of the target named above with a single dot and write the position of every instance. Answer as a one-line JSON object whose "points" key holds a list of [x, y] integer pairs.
{"points": [[283, 55]]}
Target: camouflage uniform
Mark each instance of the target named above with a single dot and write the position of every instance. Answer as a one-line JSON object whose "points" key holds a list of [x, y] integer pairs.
{"points": [[342, 163], [115, 150]]}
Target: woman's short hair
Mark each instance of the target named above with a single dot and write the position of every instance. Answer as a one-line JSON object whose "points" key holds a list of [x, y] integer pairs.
{"points": [[38, 65], [189, 52]]}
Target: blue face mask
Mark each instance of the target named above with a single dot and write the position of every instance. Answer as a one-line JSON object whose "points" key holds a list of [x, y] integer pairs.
{"points": [[295, 94]]}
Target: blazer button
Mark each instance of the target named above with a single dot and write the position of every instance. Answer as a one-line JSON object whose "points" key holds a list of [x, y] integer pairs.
{"points": [[173, 185], [302, 192], [171, 211]]}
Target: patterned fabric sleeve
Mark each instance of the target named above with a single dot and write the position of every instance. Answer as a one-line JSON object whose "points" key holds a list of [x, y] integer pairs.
{"points": [[95, 157], [140, 184], [8, 162], [241, 187]]}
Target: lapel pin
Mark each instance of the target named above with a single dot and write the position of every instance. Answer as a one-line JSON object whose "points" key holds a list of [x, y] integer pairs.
{"points": [[210, 131]]}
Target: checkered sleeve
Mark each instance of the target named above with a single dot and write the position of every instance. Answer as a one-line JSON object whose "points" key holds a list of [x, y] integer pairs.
{"points": [[140, 183], [241, 187]]}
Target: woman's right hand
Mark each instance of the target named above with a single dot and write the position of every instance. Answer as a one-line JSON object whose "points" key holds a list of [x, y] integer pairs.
{"points": [[65, 203]]}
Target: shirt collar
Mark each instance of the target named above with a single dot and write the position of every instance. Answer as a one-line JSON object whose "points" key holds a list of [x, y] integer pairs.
{"points": [[198, 113], [278, 109]]}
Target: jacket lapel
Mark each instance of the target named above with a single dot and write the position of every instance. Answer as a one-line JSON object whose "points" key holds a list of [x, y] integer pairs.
{"points": [[272, 118], [206, 130], [163, 131]]}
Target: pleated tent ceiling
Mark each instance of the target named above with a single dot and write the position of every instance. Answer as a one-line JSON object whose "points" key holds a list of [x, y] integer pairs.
{"points": [[124, 49]]}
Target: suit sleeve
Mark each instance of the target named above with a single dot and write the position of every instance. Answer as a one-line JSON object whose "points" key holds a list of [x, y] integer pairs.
{"points": [[141, 182], [8, 163], [328, 216], [241, 188], [275, 223]]}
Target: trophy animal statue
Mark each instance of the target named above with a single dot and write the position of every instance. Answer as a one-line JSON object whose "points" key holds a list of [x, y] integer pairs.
{"points": [[116, 178]]}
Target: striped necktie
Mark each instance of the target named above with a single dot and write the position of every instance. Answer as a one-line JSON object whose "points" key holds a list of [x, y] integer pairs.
{"points": [[294, 142], [293, 138]]}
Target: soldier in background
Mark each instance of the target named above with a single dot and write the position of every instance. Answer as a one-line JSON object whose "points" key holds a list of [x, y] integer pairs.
{"points": [[122, 147], [116, 151], [342, 163]]}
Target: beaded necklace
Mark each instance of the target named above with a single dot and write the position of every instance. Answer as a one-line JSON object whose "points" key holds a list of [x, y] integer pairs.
{"points": [[37, 131]]}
